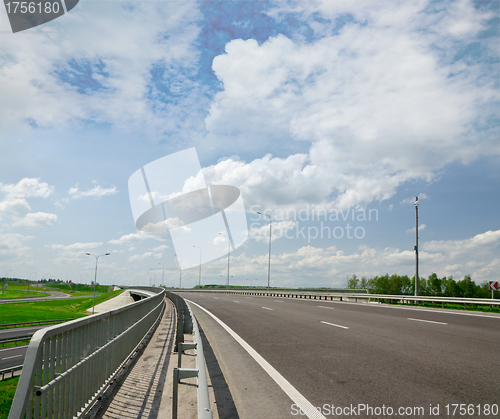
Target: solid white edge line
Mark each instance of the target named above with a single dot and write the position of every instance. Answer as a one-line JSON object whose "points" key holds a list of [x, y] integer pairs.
{"points": [[289, 389], [331, 308], [426, 321], [267, 308], [333, 324]]}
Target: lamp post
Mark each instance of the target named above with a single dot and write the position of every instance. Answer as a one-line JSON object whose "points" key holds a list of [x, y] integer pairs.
{"points": [[199, 276], [154, 276], [180, 270], [269, 266], [162, 273], [416, 246], [228, 252], [95, 276], [4, 280]]}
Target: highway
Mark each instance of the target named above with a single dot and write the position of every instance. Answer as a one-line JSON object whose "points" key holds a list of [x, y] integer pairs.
{"points": [[349, 354]]}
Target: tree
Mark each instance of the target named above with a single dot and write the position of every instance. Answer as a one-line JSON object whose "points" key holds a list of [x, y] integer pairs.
{"points": [[353, 282]]}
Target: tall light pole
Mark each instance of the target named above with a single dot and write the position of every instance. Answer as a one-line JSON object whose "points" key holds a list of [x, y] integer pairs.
{"points": [[180, 271], [228, 252], [154, 275], [269, 266], [95, 276], [199, 278], [162, 273], [416, 246], [4, 280]]}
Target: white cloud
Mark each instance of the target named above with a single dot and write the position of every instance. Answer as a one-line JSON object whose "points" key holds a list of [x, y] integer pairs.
{"points": [[27, 187], [79, 246], [12, 245], [279, 230], [97, 191], [329, 266], [136, 238], [420, 227], [38, 77], [14, 206], [37, 219], [145, 256], [382, 102]]}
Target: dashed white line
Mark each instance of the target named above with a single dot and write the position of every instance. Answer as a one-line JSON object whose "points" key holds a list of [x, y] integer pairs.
{"points": [[331, 308], [10, 357], [235, 301], [278, 301], [336, 325], [426, 321], [267, 308]]}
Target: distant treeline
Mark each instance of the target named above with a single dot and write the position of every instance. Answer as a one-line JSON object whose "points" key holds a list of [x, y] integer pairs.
{"points": [[432, 286]]}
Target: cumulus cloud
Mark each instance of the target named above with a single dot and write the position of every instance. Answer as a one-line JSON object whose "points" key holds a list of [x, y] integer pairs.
{"points": [[76, 246], [381, 101], [144, 256], [329, 266], [46, 82], [97, 191], [420, 227], [27, 187], [14, 206], [36, 219], [12, 245], [136, 238]]}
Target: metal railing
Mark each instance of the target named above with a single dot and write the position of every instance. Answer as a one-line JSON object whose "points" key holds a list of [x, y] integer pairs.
{"points": [[186, 323], [68, 367], [10, 371], [357, 296]]}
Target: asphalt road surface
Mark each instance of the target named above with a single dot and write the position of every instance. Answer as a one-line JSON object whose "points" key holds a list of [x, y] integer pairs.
{"points": [[397, 361], [12, 357]]}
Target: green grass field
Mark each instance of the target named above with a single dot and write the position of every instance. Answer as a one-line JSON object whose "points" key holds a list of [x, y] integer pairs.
{"points": [[35, 311], [50, 310], [7, 391]]}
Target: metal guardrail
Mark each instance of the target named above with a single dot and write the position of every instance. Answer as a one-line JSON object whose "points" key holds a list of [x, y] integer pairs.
{"points": [[355, 296], [16, 339], [10, 371], [68, 367], [186, 323], [6, 326]]}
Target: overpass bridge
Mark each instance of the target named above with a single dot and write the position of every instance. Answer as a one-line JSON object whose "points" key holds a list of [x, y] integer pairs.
{"points": [[272, 356]]}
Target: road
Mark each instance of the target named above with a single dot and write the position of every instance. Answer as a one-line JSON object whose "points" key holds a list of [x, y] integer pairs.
{"points": [[13, 356], [345, 354]]}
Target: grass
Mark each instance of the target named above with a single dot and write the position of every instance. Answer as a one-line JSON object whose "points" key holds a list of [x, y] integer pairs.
{"points": [[7, 391], [23, 312]]}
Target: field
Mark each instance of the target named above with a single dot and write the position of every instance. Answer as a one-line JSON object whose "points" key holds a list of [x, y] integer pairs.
{"points": [[50, 310]]}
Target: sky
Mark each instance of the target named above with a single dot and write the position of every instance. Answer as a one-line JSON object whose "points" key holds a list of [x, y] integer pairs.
{"points": [[329, 116]]}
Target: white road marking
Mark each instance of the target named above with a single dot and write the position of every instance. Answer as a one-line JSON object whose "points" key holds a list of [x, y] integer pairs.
{"points": [[331, 308], [235, 301], [268, 308], [333, 324], [14, 347], [291, 391], [10, 357], [278, 301], [426, 321]]}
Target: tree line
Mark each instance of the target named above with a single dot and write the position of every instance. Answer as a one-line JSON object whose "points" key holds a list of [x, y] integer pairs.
{"points": [[431, 286]]}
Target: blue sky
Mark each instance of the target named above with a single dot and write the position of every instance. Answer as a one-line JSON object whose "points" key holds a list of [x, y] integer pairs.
{"points": [[334, 106]]}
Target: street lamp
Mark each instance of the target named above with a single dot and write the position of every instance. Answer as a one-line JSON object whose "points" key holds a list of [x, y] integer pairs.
{"points": [[4, 280], [416, 246], [269, 266], [228, 252], [199, 279], [180, 270], [154, 276], [162, 273], [95, 276]]}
